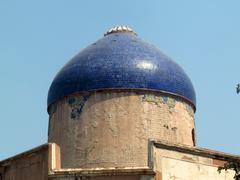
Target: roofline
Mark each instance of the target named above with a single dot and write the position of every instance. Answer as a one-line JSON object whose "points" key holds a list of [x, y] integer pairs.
{"points": [[194, 150]]}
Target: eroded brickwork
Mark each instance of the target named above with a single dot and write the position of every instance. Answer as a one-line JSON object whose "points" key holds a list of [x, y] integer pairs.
{"points": [[112, 129]]}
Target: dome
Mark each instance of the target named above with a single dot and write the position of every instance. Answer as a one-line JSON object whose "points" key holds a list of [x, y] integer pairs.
{"points": [[121, 60]]}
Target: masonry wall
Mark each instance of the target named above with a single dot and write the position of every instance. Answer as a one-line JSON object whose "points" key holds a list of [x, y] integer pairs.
{"points": [[110, 177], [32, 165], [170, 164], [129, 177], [111, 129]]}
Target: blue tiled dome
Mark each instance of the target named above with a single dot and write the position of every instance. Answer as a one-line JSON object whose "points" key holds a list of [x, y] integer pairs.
{"points": [[121, 60]]}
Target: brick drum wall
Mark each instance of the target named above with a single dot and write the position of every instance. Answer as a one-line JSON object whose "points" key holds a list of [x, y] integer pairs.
{"points": [[111, 129]]}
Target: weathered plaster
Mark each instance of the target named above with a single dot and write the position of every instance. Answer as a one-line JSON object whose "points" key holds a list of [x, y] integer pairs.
{"points": [[113, 128], [180, 162]]}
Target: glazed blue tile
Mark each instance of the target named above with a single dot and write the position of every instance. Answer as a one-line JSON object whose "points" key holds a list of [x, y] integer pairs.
{"points": [[121, 60]]}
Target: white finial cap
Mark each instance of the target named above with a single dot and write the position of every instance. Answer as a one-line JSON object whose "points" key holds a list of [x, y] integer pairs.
{"points": [[121, 28]]}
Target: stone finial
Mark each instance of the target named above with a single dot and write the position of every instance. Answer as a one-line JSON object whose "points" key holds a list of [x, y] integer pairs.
{"points": [[121, 28]]}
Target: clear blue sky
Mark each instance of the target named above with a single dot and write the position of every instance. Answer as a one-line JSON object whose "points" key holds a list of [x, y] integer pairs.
{"points": [[38, 37]]}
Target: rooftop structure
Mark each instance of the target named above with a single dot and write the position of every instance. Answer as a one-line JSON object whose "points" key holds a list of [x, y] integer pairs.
{"points": [[120, 110]]}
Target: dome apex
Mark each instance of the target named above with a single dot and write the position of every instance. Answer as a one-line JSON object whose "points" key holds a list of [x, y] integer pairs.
{"points": [[121, 28]]}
